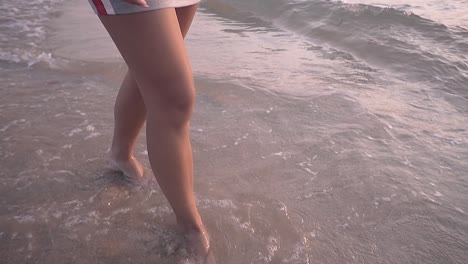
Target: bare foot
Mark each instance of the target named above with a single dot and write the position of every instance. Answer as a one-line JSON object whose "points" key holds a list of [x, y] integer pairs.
{"points": [[198, 245], [130, 167]]}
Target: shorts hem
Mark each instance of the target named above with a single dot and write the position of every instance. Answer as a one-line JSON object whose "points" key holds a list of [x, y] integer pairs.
{"points": [[120, 7]]}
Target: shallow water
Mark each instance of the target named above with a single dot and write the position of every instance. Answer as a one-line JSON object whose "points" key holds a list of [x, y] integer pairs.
{"points": [[315, 139]]}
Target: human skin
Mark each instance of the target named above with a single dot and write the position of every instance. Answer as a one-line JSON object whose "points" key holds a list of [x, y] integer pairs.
{"points": [[159, 88]]}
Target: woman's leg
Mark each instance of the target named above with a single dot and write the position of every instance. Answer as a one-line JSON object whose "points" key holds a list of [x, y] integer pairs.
{"points": [[130, 112], [129, 117], [151, 44]]}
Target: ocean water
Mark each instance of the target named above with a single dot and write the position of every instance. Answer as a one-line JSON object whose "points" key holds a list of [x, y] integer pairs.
{"points": [[324, 132]]}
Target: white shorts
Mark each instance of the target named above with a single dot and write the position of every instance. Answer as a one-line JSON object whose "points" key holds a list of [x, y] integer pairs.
{"points": [[119, 7]]}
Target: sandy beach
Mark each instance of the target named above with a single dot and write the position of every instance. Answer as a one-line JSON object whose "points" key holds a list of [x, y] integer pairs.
{"points": [[307, 148]]}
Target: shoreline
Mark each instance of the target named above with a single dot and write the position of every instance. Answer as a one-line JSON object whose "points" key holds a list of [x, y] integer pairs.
{"points": [[301, 153]]}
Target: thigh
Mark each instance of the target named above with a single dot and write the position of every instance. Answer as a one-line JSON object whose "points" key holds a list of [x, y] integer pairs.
{"points": [[185, 16], [152, 45]]}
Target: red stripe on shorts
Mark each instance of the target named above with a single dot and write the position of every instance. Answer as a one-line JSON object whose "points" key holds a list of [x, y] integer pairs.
{"points": [[100, 7]]}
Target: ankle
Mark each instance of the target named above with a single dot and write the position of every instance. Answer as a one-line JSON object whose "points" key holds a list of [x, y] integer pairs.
{"points": [[120, 154], [191, 225]]}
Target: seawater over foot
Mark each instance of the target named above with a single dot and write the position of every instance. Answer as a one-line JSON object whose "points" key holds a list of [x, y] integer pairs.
{"points": [[131, 168], [197, 244]]}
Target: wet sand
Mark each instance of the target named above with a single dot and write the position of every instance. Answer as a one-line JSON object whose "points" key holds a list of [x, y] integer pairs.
{"points": [[274, 183], [330, 162]]}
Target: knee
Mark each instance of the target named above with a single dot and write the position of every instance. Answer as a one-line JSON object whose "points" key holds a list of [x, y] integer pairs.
{"points": [[172, 102]]}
